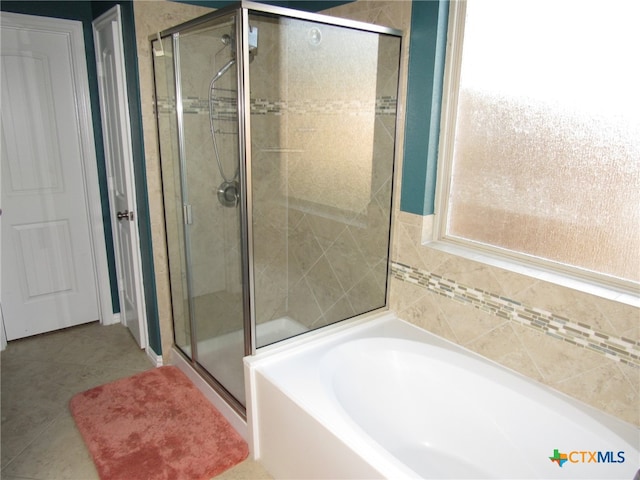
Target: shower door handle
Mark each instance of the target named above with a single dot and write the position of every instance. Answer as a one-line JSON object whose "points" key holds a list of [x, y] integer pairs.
{"points": [[126, 214]]}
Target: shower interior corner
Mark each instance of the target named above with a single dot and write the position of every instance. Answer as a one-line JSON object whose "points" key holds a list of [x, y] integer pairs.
{"points": [[277, 137]]}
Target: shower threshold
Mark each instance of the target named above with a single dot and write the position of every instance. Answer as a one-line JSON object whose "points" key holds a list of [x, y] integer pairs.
{"points": [[214, 353]]}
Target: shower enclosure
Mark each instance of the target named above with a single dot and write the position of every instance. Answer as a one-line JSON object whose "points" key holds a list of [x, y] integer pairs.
{"points": [[276, 133]]}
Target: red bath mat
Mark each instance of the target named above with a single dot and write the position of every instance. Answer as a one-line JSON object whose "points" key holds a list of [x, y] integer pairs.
{"points": [[155, 425]]}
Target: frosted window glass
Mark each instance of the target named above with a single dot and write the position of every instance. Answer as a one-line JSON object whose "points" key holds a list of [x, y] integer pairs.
{"points": [[547, 141]]}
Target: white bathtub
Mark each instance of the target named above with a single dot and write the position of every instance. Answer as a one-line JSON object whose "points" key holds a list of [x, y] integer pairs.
{"points": [[384, 399]]}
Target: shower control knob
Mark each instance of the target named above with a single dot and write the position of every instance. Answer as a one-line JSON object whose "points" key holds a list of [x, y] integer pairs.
{"points": [[126, 214], [229, 193]]}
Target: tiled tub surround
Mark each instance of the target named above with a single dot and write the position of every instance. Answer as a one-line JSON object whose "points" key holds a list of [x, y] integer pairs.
{"points": [[619, 349], [579, 344]]}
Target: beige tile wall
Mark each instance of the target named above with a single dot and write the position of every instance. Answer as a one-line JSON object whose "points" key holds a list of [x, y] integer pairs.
{"points": [[607, 381]]}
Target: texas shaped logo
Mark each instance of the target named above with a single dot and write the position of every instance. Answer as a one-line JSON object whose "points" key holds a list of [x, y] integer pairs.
{"points": [[558, 457]]}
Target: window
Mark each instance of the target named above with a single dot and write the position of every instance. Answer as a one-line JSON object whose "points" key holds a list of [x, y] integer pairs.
{"points": [[540, 136]]}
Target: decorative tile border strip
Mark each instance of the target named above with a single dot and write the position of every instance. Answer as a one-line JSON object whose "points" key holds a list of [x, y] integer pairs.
{"points": [[259, 106], [619, 349]]}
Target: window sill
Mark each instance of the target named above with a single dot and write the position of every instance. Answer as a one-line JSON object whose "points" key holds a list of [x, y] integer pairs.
{"points": [[568, 280]]}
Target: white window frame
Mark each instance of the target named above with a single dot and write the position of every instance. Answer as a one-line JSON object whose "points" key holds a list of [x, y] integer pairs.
{"points": [[434, 226]]}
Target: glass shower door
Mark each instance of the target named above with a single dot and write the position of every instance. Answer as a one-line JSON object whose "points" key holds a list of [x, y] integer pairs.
{"points": [[207, 208]]}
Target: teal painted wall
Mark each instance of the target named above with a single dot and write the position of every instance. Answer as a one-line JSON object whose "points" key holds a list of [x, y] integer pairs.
{"points": [[427, 47], [86, 11], [139, 165]]}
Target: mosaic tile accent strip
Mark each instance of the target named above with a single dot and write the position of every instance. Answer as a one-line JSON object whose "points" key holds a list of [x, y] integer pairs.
{"points": [[619, 349], [226, 104]]}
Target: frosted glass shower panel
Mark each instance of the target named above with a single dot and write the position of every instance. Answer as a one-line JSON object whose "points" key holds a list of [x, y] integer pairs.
{"points": [[323, 118]]}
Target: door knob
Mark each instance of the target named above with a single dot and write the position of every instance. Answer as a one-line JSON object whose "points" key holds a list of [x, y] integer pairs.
{"points": [[125, 214]]}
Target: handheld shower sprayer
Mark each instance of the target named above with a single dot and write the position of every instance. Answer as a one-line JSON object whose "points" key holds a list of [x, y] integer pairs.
{"points": [[223, 70], [229, 190]]}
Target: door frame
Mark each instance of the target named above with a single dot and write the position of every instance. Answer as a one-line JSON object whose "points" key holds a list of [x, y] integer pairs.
{"points": [[114, 15], [74, 30]]}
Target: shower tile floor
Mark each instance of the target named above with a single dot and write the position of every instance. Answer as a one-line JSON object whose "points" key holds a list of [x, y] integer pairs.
{"points": [[39, 375]]}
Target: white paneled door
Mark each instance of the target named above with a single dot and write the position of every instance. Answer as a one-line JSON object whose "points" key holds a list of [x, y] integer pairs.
{"points": [[114, 105], [50, 275]]}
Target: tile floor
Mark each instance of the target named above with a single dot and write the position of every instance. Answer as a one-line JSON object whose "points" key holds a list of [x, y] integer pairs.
{"points": [[39, 375]]}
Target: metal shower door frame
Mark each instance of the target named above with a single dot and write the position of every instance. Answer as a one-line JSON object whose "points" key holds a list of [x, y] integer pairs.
{"points": [[244, 128], [242, 10], [174, 34]]}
